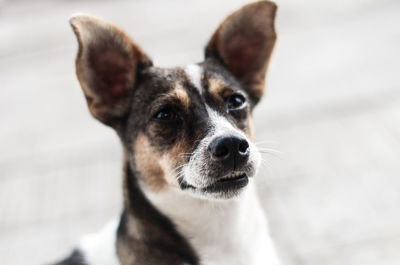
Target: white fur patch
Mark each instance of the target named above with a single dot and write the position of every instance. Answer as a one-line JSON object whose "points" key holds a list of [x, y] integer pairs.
{"points": [[221, 124], [194, 73], [99, 248], [224, 232]]}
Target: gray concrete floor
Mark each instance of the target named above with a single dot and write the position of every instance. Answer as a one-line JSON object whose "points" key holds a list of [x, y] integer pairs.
{"points": [[332, 109]]}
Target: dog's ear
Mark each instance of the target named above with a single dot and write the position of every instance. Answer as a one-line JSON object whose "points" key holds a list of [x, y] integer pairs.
{"points": [[244, 42], [106, 65]]}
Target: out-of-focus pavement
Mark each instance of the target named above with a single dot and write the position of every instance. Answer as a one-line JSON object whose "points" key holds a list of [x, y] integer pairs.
{"points": [[332, 108]]}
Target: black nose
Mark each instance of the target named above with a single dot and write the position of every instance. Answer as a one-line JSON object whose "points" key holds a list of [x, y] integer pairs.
{"points": [[232, 151]]}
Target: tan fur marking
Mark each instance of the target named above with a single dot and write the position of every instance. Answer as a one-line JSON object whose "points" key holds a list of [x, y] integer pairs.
{"points": [[172, 161], [216, 86], [250, 130], [182, 95], [170, 176], [148, 163], [178, 151]]}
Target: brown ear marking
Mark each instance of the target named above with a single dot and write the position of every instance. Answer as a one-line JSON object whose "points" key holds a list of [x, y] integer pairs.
{"points": [[106, 66], [244, 42]]}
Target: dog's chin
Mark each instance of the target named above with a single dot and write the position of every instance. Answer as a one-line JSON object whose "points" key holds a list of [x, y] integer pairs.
{"points": [[226, 187]]}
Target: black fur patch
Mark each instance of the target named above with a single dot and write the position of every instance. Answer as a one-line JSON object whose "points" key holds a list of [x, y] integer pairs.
{"points": [[76, 258], [156, 240]]}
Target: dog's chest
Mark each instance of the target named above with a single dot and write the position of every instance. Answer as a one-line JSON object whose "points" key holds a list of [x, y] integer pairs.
{"points": [[223, 245], [238, 250], [221, 233]]}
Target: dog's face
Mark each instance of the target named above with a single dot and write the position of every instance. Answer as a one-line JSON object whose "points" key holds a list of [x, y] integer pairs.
{"points": [[188, 128], [191, 128]]}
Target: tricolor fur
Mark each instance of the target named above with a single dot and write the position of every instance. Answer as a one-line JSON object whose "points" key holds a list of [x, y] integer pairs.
{"points": [[189, 160]]}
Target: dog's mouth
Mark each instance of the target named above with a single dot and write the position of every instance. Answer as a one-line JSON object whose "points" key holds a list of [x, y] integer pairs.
{"points": [[231, 182]]}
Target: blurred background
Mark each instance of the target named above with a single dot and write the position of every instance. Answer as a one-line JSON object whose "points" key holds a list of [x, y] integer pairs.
{"points": [[332, 110]]}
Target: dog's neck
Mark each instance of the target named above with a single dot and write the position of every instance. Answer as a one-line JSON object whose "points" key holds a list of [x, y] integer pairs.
{"points": [[219, 231], [145, 235], [183, 229]]}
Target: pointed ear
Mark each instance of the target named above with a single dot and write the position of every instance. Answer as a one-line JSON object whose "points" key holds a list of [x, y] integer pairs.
{"points": [[244, 42], [106, 65]]}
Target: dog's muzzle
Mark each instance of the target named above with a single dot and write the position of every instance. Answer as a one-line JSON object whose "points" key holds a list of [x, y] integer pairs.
{"points": [[221, 166], [230, 153]]}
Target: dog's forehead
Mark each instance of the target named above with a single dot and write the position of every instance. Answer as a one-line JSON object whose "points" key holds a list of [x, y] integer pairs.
{"points": [[209, 77], [195, 74], [164, 76], [203, 78]]}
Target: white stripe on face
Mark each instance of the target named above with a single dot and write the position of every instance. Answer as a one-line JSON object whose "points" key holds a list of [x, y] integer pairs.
{"points": [[199, 172], [220, 124], [194, 73]]}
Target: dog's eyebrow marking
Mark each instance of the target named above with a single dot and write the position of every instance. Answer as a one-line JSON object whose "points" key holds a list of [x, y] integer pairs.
{"points": [[178, 93], [181, 93], [194, 72], [215, 85]]}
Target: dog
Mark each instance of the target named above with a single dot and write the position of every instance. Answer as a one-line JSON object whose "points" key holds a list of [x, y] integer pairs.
{"points": [[189, 160]]}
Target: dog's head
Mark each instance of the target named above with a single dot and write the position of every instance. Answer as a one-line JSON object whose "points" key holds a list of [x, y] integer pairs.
{"points": [[188, 128]]}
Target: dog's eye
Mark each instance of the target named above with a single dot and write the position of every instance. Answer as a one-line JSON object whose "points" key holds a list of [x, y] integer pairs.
{"points": [[166, 114], [236, 101]]}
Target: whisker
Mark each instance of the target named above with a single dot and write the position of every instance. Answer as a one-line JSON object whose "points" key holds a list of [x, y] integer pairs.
{"points": [[267, 150], [270, 150], [265, 142], [178, 168], [264, 162], [274, 153], [180, 176]]}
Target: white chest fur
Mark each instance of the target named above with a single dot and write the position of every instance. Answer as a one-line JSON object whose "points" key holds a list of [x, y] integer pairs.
{"points": [[232, 232], [99, 248]]}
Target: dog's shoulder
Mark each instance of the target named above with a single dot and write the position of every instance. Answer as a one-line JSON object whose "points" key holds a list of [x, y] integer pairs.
{"points": [[76, 258], [97, 248]]}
